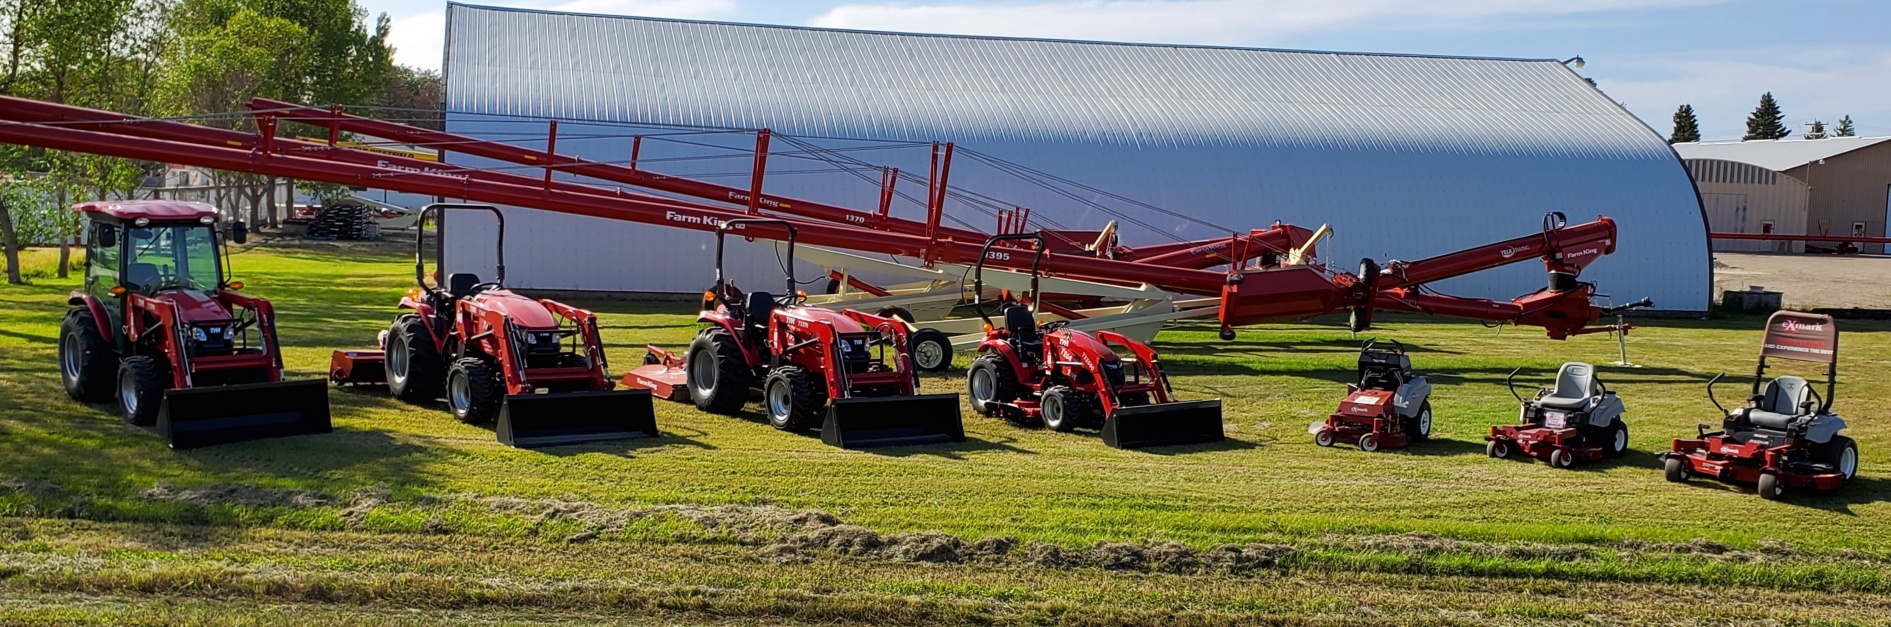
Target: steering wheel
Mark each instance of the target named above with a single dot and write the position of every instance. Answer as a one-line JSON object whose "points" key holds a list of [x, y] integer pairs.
{"points": [[1052, 326], [489, 285]]}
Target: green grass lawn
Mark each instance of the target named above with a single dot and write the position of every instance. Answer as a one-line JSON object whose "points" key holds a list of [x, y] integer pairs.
{"points": [[404, 515]]}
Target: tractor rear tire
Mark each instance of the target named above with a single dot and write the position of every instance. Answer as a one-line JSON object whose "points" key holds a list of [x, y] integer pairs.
{"points": [[1841, 453], [1617, 435], [1768, 487], [141, 385], [85, 358], [1675, 469], [991, 384], [415, 371], [1065, 409], [1418, 427], [793, 398], [474, 391], [716, 357], [931, 350]]}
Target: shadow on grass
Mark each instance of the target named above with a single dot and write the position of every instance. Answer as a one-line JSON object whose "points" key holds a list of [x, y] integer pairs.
{"points": [[1228, 444], [1440, 447], [1861, 490]]}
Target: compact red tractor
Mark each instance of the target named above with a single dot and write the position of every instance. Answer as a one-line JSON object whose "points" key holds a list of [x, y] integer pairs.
{"points": [[160, 323], [814, 366], [1067, 379], [1578, 419], [1786, 436], [536, 366], [1389, 407]]}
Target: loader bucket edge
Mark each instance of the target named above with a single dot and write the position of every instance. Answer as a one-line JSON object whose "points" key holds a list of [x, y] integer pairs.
{"points": [[541, 420], [893, 421], [1168, 424], [208, 416]]}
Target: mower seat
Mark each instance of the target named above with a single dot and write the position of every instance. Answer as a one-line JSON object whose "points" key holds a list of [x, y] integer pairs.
{"points": [[1022, 325], [1575, 385], [461, 284], [757, 307], [1383, 371], [142, 275], [1780, 405]]}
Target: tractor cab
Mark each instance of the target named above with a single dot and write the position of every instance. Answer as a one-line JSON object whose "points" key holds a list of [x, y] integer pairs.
{"points": [[162, 250]]}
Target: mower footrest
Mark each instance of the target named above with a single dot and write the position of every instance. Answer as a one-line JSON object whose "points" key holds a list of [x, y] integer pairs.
{"points": [[893, 421], [540, 420], [223, 414], [1168, 424]]}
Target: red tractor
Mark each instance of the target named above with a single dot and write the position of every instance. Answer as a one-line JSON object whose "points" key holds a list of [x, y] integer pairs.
{"points": [[1786, 436], [814, 366], [1066, 379], [160, 324], [536, 366], [1390, 406]]}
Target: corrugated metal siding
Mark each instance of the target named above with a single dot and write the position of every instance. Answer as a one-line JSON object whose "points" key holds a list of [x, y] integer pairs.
{"points": [[1741, 198], [1406, 156]]}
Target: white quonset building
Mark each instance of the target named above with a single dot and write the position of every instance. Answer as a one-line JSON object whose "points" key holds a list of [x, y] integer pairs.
{"points": [[1405, 156]]}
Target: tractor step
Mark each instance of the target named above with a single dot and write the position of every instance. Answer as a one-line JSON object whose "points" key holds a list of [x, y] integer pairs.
{"points": [[207, 416], [1167, 424], [558, 419], [893, 421]]}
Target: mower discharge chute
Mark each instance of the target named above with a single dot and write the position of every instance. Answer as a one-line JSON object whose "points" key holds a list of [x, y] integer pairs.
{"points": [[1578, 419], [1068, 379], [1785, 436], [160, 325], [813, 365], [535, 366], [1389, 407]]}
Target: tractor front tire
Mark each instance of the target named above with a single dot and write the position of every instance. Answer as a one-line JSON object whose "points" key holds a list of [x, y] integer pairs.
{"points": [[1065, 409], [474, 391], [717, 374], [141, 385], [991, 384], [1675, 469], [931, 350], [1418, 427], [1842, 454], [1617, 435], [1768, 487], [415, 370], [85, 358], [793, 398]]}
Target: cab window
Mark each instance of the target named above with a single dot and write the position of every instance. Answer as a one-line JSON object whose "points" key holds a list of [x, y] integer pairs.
{"points": [[172, 257], [102, 255]]}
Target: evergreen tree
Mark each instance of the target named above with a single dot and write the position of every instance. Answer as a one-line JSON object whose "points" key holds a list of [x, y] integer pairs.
{"points": [[1845, 128], [1687, 128], [1817, 131], [1766, 122]]}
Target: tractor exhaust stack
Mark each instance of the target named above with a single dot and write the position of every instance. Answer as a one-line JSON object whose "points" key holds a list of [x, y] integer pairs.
{"points": [[208, 416], [893, 421]]}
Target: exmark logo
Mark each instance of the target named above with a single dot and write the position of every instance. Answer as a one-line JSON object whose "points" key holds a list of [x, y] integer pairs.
{"points": [[1512, 251], [703, 220], [1790, 325]]}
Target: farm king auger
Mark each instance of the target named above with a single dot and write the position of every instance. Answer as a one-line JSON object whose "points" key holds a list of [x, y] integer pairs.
{"points": [[1286, 284]]}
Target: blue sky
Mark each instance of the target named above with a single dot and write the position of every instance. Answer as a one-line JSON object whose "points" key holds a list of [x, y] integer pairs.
{"points": [[1822, 59]]}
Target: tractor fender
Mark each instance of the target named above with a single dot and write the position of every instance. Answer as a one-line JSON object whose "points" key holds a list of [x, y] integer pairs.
{"points": [[1018, 369], [91, 303], [425, 311], [727, 324], [1411, 396]]}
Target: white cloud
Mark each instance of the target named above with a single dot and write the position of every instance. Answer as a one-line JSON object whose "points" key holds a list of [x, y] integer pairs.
{"points": [[1820, 83], [419, 39], [1226, 22]]}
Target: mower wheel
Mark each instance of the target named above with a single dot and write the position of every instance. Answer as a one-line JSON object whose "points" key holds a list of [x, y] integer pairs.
{"points": [[1841, 453], [1418, 427], [1618, 438], [1560, 458], [1497, 448], [141, 387], [1675, 469], [1768, 487], [474, 391], [1323, 437], [1064, 409], [85, 358], [717, 373], [793, 398], [991, 384], [932, 350], [1369, 443], [415, 370]]}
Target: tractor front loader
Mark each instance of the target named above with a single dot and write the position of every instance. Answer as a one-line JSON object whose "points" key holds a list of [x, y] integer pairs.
{"points": [[535, 366], [1068, 379], [813, 365], [160, 325]]}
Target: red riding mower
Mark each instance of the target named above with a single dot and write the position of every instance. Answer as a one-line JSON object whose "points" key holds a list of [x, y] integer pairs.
{"points": [[1066, 379], [1388, 408], [535, 366], [814, 366], [1578, 419], [160, 324], [1786, 436]]}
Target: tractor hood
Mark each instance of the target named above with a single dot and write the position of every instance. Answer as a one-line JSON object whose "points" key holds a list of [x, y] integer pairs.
{"points": [[196, 306], [1079, 343], [801, 317], [526, 313]]}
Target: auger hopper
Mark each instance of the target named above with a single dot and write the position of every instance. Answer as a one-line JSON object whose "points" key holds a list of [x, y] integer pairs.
{"points": [[208, 416], [539, 420]]}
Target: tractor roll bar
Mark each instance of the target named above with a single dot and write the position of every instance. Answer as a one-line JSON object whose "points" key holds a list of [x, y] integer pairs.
{"points": [[978, 269], [726, 225], [439, 237]]}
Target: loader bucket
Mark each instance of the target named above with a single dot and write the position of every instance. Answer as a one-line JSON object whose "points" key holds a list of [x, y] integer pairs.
{"points": [[540, 420], [893, 421], [1167, 424], [207, 416]]}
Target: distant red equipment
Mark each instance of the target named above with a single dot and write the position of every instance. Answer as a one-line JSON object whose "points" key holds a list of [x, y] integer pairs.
{"points": [[1388, 408]]}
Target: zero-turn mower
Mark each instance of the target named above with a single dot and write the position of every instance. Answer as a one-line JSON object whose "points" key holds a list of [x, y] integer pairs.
{"points": [[1785, 436], [1389, 407], [160, 324], [1578, 419], [814, 366], [536, 366], [1068, 379]]}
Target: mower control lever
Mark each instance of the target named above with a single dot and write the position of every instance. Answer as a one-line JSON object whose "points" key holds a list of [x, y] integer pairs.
{"points": [[1511, 382]]}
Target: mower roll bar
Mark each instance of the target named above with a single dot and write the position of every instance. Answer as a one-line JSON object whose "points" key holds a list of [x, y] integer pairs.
{"points": [[1397, 348], [439, 249], [978, 269], [727, 225], [1511, 382]]}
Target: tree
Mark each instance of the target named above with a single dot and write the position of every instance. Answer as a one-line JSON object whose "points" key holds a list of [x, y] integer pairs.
{"points": [[1845, 128], [411, 95], [1766, 122], [1817, 131], [1687, 128]]}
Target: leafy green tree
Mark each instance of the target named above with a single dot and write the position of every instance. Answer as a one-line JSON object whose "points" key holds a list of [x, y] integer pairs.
{"points": [[1766, 122], [1844, 128], [1687, 128]]}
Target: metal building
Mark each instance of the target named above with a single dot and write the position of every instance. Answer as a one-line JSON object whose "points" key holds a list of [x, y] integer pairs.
{"points": [[1405, 156], [1746, 198], [1847, 179]]}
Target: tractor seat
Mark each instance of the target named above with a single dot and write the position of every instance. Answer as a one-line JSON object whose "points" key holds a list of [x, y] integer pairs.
{"points": [[1575, 385], [1780, 405], [757, 307], [1022, 325], [461, 284], [143, 275]]}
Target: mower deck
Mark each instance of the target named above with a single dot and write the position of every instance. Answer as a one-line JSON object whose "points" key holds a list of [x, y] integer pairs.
{"points": [[1725, 459], [1541, 443]]}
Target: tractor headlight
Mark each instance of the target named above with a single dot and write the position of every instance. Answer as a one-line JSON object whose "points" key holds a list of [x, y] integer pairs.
{"points": [[199, 335], [531, 338]]}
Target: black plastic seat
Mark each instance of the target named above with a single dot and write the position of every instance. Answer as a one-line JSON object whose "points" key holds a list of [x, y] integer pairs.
{"points": [[143, 275], [461, 284], [757, 307], [1022, 325]]}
